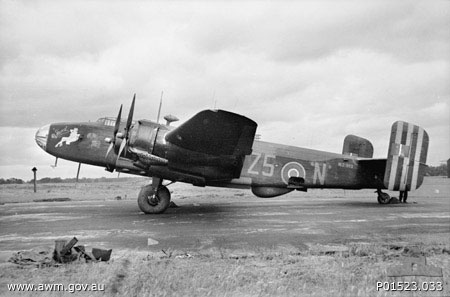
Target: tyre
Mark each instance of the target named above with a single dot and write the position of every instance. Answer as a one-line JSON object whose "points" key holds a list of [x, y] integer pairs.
{"points": [[384, 198], [153, 204]]}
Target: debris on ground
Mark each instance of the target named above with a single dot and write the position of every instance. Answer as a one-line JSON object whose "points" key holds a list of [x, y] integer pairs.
{"points": [[173, 205], [184, 256], [394, 200], [151, 241], [64, 252], [42, 256]]}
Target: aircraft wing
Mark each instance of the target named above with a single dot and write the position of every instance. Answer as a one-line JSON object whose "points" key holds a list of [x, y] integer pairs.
{"points": [[215, 132]]}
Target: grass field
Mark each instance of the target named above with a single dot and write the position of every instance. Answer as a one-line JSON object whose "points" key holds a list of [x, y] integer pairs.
{"points": [[223, 273], [352, 269]]}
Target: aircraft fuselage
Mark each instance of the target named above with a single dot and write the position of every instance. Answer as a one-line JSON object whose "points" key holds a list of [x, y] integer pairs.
{"points": [[218, 148], [267, 169]]}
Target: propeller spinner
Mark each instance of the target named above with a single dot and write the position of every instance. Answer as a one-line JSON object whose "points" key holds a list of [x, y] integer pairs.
{"points": [[124, 144], [116, 130]]}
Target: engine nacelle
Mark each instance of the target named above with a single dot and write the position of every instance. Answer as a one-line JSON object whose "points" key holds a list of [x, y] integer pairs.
{"points": [[143, 136], [269, 192]]}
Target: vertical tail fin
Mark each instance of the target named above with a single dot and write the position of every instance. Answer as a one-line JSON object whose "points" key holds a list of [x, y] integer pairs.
{"points": [[407, 155], [357, 146]]}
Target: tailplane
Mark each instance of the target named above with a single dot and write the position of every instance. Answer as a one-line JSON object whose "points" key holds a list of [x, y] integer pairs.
{"points": [[407, 155]]}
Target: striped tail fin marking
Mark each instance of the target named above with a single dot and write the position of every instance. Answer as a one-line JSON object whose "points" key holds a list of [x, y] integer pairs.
{"points": [[408, 149]]}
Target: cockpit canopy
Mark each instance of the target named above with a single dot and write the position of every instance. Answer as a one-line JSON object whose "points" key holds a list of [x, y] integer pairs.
{"points": [[110, 121]]}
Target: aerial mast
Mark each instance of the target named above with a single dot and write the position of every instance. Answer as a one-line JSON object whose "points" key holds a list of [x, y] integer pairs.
{"points": [[159, 110]]}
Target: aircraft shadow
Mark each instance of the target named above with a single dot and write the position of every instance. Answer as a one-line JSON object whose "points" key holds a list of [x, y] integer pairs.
{"points": [[371, 204]]}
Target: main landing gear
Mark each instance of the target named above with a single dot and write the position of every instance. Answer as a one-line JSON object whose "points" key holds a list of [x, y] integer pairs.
{"points": [[383, 198], [154, 198], [403, 196]]}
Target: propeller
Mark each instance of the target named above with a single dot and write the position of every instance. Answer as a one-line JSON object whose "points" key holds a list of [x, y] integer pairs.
{"points": [[116, 130], [126, 137]]}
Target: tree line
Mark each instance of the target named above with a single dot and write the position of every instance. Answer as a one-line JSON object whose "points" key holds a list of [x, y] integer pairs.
{"points": [[440, 170], [56, 180]]}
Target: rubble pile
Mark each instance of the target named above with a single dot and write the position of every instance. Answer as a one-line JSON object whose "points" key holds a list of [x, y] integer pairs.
{"points": [[64, 252]]}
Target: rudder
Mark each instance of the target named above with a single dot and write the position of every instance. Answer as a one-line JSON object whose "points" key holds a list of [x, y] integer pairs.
{"points": [[407, 155]]}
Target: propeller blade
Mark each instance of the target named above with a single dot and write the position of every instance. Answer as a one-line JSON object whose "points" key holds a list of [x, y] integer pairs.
{"points": [[130, 117], [116, 130], [124, 142], [109, 149], [122, 146], [116, 127]]}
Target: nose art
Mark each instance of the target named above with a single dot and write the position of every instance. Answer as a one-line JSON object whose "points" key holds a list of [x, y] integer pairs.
{"points": [[41, 136]]}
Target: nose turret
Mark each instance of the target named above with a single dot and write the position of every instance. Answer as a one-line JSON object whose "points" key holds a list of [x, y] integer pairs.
{"points": [[42, 136]]}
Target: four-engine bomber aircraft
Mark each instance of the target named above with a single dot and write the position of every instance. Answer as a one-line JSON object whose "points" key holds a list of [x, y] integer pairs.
{"points": [[217, 148]]}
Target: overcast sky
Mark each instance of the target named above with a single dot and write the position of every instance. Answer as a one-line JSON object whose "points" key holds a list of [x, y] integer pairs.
{"points": [[308, 72]]}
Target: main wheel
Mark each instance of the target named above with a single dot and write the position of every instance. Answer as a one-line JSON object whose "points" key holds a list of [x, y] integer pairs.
{"points": [[152, 203], [384, 198]]}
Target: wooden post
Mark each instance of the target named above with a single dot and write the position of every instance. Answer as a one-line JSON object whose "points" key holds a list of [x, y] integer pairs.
{"points": [[34, 180]]}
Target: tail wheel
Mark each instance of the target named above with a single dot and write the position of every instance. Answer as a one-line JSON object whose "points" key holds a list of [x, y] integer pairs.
{"points": [[152, 203], [384, 198]]}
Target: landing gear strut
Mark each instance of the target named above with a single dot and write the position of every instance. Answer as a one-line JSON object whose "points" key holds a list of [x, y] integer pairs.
{"points": [[154, 198], [383, 198], [403, 195]]}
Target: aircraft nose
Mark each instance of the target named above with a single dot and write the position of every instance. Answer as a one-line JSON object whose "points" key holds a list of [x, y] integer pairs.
{"points": [[42, 135]]}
